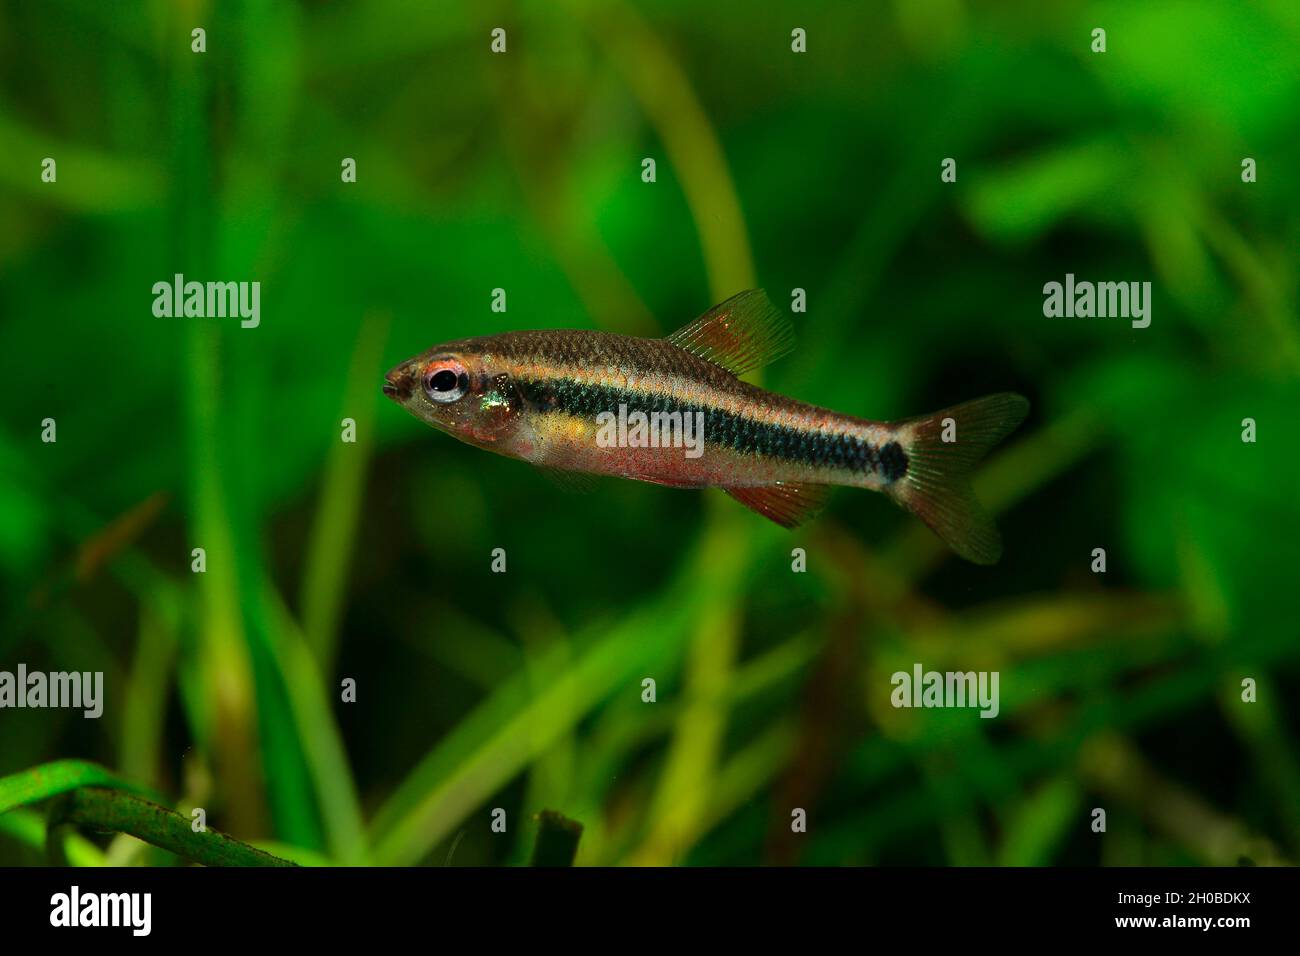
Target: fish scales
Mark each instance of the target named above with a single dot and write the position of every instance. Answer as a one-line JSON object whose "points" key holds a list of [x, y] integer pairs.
{"points": [[594, 402], [583, 376]]}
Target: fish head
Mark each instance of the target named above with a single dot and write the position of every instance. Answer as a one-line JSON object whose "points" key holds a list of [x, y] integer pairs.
{"points": [[460, 388]]}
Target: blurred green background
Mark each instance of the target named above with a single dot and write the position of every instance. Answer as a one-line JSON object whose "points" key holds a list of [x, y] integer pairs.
{"points": [[522, 171]]}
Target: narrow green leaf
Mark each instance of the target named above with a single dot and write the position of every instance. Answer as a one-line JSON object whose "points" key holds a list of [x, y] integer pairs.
{"points": [[59, 776], [121, 812]]}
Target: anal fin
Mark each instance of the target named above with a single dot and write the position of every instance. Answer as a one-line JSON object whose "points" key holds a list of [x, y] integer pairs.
{"points": [[787, 503], [575, 482]]}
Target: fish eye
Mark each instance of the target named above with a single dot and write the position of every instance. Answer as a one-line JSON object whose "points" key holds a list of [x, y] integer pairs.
{"points": [[446, 382]]}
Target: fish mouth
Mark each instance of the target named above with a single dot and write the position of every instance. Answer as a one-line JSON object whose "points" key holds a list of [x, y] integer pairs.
{"points": [[397, 385]]}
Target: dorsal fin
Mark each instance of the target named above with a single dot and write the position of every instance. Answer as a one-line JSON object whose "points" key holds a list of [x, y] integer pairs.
{"points": [[741, 334], [788, 503]]}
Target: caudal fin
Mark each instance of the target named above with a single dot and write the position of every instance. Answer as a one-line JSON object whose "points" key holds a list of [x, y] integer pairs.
{"points": [[942, 450]]}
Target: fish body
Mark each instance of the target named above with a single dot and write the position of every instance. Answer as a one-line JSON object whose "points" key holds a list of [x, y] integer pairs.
{"points": [[674, 411]]}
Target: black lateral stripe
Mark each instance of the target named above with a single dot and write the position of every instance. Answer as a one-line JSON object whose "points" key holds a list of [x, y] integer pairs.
{"points": [[738, 432]]}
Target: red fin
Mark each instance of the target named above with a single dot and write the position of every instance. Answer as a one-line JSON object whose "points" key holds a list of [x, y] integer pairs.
{"points": [[741, 334], [936, 487], [787, 503]]}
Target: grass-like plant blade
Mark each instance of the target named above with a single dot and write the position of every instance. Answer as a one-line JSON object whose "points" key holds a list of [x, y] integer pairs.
{"points": [[518, 721], [28, 827], [52, 779], [557, 839], [323, 750], [120, 812], [324, 584]]}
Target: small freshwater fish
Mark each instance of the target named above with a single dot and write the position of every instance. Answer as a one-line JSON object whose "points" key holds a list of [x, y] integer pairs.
{"points": [[674, 411]]}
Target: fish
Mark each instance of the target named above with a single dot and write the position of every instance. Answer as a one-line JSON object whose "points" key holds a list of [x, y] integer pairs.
{"points": [[675, 411]]}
